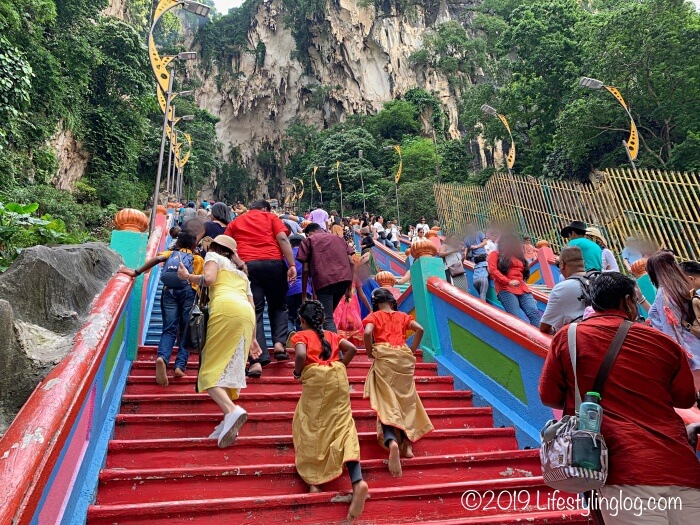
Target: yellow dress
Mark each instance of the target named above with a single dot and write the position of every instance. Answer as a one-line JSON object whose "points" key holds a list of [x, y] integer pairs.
{"points": [[229, 330]]}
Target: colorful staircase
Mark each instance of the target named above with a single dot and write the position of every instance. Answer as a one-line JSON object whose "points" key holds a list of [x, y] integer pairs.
{"points": [[161, 469]]}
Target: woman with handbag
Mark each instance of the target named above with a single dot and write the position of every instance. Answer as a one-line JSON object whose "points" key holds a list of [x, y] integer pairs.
{"points": [[451, 252], [672, 310], [230, 334]]}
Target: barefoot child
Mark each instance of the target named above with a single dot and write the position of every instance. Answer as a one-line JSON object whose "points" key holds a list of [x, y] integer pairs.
{"points": [[323, 430], [390, 386]]}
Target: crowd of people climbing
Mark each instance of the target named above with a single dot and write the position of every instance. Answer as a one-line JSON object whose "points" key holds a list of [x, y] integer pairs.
{"points": [[323, 300]]}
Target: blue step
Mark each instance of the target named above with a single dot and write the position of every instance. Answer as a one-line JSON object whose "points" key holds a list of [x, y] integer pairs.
{"points": [[155, 322]]}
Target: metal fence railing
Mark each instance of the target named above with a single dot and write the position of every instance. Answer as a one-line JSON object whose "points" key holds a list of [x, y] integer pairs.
{"points": [[660, 206]]}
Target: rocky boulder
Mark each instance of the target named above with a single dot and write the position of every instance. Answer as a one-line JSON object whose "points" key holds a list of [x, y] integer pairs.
{"points": [[44, 297]]}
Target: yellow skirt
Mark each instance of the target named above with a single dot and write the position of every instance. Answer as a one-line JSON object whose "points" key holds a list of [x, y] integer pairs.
{"points": [[323, 430], [229, 336], [391, 389]]}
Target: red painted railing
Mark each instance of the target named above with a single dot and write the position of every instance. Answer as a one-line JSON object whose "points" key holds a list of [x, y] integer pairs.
{"points": [[521, 334], [31, 447]]}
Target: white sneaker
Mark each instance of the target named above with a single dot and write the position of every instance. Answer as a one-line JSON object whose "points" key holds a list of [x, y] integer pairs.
{"points": [[217, 431], [232, 424]]}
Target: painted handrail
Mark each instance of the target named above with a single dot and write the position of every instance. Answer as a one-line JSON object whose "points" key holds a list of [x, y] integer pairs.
{"points": [[32, 445], [520, 333]]}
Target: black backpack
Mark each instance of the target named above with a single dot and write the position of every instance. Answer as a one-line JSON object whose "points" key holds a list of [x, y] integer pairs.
{"points": [[585, 281], [169, 276]]}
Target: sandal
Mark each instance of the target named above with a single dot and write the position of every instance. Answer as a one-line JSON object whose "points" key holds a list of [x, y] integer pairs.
{"points": [[255, 370], [281, 355]]}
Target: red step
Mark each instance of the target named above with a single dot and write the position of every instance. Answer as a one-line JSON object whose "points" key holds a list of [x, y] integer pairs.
{"points": [[165, 484], [192, 452], [403, 504], [165, 402], [183, 385], [284, 368], [161, 426]]}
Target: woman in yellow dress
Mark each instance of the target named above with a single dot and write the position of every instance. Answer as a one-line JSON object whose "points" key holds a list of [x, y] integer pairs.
{"points": [[230, 334]]}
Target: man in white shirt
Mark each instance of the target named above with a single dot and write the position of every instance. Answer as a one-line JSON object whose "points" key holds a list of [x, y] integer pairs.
{"points": [[392, 234], [380, 232], [320, 217], [567, 299]]}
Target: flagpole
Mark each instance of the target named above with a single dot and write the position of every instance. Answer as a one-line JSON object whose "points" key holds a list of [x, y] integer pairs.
{"points": [[340, 186]]}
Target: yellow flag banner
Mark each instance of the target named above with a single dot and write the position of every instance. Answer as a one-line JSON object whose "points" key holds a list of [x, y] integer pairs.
{"points": [[633, 142], [510, 158], [318, 186], [505, 121], [337, 174], [301, 193], [616, 93], [398, 171]]}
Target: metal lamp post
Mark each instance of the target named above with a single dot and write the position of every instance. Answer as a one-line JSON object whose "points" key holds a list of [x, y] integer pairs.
{"points": [[632, 143], [171, 181], [165, 78], [362, 181], [397, 148]]}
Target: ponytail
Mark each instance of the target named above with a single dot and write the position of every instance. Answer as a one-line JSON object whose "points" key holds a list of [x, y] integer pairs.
{"points": [[312, 313]]}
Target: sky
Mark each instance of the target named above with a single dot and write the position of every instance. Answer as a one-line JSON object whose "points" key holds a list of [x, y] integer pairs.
{"points": [[222, 6]]}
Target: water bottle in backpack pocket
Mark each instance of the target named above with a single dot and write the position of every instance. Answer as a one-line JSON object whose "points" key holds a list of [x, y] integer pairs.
{"points": [[168, 275]]}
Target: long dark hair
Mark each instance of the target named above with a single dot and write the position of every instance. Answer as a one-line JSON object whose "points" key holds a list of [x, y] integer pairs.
{"points": [[312, 313], [382, 295], [664, 271], [509, 247]]}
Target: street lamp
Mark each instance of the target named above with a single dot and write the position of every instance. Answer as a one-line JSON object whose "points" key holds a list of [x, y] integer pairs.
{"points": [[362, 181], [165, 78], [397, 148], [510, 158], [632, 143], [314, 182], [170, 182]]}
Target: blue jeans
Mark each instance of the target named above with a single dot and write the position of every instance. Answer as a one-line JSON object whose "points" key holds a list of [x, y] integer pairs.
{"points": [[176, 305], [514, 303], [482, 286]]}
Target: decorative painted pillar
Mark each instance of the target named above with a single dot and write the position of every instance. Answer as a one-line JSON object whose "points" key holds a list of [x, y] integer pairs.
{"points": [[550, 274], [421, 271], [129, 240]]}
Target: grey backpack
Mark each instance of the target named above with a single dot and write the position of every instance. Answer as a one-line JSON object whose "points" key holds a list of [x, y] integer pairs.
{"points": [[568, 453]]}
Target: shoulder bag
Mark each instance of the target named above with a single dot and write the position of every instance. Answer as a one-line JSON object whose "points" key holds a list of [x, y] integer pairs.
{"points": [[195, 335], [564, 447]]}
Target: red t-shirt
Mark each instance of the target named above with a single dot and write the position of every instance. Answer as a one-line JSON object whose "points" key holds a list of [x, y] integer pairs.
{"points": [[256, 234], [502, 282], [310, 339], [646, 438], [389, 327]]}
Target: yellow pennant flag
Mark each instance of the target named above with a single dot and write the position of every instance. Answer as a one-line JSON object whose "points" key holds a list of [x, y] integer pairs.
{"points": [[337, 175], [398, 172], [318, 186]]}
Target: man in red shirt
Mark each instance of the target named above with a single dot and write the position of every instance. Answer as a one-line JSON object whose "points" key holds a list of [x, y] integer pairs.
{"points": [[649, 453], [327, 258], [263, 245]]}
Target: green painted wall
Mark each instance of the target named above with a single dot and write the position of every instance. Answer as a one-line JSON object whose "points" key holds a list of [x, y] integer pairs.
{"points": [[113, 350], [499, 367], [421, 271]]}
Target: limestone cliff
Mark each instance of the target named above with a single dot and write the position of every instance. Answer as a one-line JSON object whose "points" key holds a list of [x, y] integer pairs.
{"points": [[359, 60]]}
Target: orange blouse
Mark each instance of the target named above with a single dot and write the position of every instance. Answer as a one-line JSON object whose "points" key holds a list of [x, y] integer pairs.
{"points": [[389, 327], [310, 339]]}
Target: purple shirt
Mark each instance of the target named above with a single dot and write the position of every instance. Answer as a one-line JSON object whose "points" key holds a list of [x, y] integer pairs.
{"points": [[319, 216]]}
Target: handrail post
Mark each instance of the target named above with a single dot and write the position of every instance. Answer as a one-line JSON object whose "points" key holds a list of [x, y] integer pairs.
{"points": [[131, 245], [424, 268]]}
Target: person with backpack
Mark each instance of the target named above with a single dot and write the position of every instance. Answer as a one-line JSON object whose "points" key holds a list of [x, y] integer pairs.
{"points": [[569, 298], [176, 301], [649, 454]]}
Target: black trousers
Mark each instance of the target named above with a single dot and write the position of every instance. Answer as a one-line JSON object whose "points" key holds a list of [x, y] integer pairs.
{"points": [[268, 282], [329, 297]]}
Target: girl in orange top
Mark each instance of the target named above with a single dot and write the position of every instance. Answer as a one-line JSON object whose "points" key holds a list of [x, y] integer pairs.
{"points": [[323, 430], [390, 385]]}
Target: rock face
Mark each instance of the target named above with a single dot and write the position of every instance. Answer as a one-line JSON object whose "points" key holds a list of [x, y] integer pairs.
{"points": [[72, 160], [44, 297], [360, 59]]}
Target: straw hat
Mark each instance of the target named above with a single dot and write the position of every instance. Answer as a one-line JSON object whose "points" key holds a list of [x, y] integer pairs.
{"points": [[596, 234], [226, 242]]}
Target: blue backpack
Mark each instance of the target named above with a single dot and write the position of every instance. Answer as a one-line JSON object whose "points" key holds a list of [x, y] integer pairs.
{"points": [[168, 275]]}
